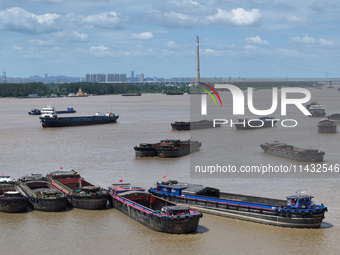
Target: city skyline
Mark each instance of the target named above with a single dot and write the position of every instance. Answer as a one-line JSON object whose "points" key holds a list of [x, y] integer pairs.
{"points": [[237, 39]]}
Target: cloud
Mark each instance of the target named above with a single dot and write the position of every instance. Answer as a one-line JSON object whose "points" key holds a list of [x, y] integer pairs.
{"points": [[109, 20], [256, 40], [296, 19], [143, 36], [237, 17], [18, 19], [172, 45], [311, 40]]}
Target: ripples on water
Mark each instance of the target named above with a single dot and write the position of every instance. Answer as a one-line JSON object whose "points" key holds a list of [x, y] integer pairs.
{"points": [[104, 154]]}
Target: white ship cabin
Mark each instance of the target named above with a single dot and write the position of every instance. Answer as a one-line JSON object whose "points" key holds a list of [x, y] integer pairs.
{"points": [[48, 112]]}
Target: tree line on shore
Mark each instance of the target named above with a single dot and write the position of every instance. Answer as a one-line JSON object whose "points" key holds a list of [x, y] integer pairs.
{"points": [[43, 90]]}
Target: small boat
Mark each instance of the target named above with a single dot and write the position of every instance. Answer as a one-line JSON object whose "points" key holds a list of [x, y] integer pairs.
{"points": [[297, 211], [41, 194], [49, 118], [291, 152], [263, 122], [193, 125], [34, 112], [11, 199], [80, 193], [335, 117], [153, 212], [168, 148], [327, 126]]}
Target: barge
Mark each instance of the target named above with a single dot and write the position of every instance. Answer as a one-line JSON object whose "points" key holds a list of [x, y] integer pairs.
{"points": [[80, 193], [327, 126], [334, 117], [193, 125], [11, 199], [168, 148], [297, 211], [41, 194], [49, 118], [152, 211], [289, 151]]}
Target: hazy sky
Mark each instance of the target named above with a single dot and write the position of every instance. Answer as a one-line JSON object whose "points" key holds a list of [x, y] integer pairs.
{"points": [[250, 38]]}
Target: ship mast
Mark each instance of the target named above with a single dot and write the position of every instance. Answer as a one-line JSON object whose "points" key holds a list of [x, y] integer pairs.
{"points": [[197, 80]]}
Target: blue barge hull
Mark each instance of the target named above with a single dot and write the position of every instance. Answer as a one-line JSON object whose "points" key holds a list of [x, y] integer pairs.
{"points": [[296, 212]]}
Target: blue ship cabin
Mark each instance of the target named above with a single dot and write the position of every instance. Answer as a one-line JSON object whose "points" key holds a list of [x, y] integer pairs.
{"points": [[299, 201], [175, 210]]}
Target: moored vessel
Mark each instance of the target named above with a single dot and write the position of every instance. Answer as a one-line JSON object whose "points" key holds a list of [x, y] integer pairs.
{"points": [[327, 126], [41, 194], [80, 193], [11, 199], [292, 152], [193, 125], [297, 211], [153, 212], [262, 122]]}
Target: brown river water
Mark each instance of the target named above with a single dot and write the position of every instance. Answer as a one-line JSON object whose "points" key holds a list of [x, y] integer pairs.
{"points": [[103, 154]]}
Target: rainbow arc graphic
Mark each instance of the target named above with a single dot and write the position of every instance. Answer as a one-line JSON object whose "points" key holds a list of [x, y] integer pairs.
{"points": [[209, 93]]}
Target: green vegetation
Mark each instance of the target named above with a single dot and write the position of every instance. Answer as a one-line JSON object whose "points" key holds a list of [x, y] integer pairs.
{"points": [[43, 90]]}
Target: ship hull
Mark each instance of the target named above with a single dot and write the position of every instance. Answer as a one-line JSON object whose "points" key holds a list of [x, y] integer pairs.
{"points": [[162, 224], [88, 203], [327, 129], [275, 218], [77, 121], [183, 126], [13, 205], [177, 152], [48, 205], [146, 152]]}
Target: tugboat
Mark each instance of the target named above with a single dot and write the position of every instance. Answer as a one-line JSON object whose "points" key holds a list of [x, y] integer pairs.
{"points": [[298, 211], [317, 110], [41, 194], [168, 148], [153, 212], [11, 199], [291, 152], [80, 193], [193, 125], [327, 126], [263, 122]]}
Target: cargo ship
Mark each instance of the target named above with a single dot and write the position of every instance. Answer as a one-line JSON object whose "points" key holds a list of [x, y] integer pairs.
{"points": [[49, 118], [327, 126], [41, 194], [334, 117], [193, 125], [11, 199], [80, 193], [317, 110], [292, 152], [168, 148], [297, 211], [263, 122], [152, 211]]}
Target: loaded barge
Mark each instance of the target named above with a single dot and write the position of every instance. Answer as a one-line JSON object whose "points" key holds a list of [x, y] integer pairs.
{"points": [[80, 193], [291, 152], [153, 212], [49, 118], [168, 148], [193, 125], [298, 211], [11, 199], [41, 194]]}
